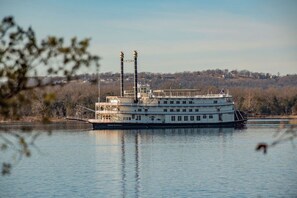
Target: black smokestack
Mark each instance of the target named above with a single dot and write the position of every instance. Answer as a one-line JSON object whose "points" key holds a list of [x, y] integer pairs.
{"points": [[122, 74], [135, 77]]}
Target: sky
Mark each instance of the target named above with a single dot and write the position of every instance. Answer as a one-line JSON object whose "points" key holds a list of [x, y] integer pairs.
{"points": [[172, 35]]}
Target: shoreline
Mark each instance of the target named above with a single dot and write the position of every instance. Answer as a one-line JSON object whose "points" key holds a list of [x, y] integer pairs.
{"points": [[273, 117], [52, 124], [37, 120]]}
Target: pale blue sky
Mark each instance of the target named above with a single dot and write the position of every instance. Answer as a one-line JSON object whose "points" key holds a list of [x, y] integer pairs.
{"points": [[175, 35]]}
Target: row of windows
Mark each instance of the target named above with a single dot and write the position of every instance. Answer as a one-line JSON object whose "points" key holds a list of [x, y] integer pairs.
{"points": [[191, 118], [181, 102], [184, 110], [173, 118], [177, 110], [180, 110], [136, 117], [141, 110]]}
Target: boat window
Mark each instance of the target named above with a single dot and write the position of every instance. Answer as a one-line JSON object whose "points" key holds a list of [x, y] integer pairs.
{"points": [[106, 117], [215, 101], [165, 110], [190, 110], [204, 116], [139, 109], [190, 102], [172, 118], [158, 102], [171, 102], [179, 118], [165, 102], [133, 116], [171, 110], [184, 110], [218, 109], [177, 110], [196, 110], [184, 102], [145, 110], [185, 118], [197, 118], [178, 102], [210, 116], [192, 118]]}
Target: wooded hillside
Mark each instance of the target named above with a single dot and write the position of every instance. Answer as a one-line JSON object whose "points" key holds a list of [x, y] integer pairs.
{"points": [[254, 93]]}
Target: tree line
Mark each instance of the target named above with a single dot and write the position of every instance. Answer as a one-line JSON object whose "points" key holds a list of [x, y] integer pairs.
{"points": [[67, 99]]}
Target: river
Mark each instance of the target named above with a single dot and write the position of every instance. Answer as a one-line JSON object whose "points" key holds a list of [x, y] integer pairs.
{"points": [[193, 162]]}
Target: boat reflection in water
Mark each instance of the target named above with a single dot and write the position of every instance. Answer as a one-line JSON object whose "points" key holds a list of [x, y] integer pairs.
{"points": [[145, 158]]}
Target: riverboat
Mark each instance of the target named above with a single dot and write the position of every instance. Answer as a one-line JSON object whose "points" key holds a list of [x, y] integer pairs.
{"points": [[147, 108]]}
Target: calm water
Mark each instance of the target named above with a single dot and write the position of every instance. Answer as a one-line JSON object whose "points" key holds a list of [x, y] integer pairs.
{"points": [[156, 163]]}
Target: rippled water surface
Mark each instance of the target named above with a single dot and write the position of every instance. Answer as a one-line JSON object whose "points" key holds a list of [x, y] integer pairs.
{"points": [[156, 163]]}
